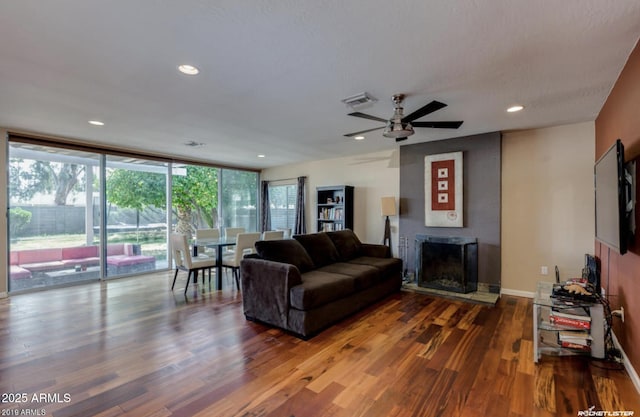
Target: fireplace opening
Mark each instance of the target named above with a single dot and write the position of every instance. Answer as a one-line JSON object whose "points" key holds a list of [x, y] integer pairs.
{"points": [[447, 263]]}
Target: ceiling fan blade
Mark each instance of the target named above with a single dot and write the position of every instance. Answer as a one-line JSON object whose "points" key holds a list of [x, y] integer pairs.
{"points": [[438, 125], [401, 139], [367, 116], [363, 131], [423, 111]]}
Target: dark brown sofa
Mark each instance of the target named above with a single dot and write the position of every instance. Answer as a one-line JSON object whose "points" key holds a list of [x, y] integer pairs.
{"points": [[307, 283]]}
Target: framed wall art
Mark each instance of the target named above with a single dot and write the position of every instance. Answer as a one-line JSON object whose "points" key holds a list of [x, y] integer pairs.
{"points": [[443, 190]]}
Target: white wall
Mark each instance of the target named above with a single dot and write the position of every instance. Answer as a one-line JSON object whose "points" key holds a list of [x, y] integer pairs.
{"points": [[547, 203], [373, 175]]}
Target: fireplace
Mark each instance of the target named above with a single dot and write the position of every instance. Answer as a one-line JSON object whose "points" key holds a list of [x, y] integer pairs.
{"points": [[447, 263]]}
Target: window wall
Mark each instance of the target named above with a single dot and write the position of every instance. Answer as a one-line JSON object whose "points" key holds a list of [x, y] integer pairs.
{"points": [[54, 202], [239, 199], [136, 216], [77, 215], [282, 206], [195, 198]]}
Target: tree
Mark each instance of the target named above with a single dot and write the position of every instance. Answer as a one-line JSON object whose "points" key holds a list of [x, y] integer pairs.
{"points": [[198, 191], [18, 219], [194, 193], [31, 177]]}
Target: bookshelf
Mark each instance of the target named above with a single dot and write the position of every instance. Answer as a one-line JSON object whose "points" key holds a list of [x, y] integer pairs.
{"points": [[566, 327], [334, 208]]}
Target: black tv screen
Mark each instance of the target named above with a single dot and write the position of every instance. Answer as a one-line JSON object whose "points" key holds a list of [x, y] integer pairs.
{"points": [[610, 188]]}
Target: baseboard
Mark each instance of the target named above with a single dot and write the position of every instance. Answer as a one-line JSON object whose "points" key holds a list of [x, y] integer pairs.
{"points": [[3, 295], [627, 365], [517, 293]]}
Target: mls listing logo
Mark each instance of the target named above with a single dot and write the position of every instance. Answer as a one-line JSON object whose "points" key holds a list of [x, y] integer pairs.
{"points": [[592, 412]]}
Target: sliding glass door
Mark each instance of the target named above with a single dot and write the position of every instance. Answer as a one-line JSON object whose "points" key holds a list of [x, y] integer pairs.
{"points": [[194, 198], [136, 216], [54, 206], [77, 215], [239, 199]]}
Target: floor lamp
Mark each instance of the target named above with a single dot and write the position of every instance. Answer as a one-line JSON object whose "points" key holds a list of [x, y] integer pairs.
{"points": [[388, 209]]}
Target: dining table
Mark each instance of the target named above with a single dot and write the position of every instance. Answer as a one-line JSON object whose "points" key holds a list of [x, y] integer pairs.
{"points": [[219, 244]]}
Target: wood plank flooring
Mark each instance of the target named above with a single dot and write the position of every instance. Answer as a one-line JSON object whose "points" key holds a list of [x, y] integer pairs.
{"points": [[131, 347]]}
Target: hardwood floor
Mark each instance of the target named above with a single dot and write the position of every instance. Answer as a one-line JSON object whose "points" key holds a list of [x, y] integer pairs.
{"points": [[131, 347]]}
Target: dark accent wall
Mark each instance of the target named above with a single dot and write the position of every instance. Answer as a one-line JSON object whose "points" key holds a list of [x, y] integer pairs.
{"points": [[618, 118], [481, 194]]}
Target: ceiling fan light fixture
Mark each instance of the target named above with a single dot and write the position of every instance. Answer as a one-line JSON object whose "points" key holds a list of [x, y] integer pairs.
{"points": [[397, 129]]}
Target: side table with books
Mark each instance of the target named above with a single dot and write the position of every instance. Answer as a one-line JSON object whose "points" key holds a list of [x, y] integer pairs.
{"points": [[563, 326]]}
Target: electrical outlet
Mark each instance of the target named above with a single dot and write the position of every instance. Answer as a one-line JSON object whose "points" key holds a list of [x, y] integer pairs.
{"points": [[544, 270], [619, 313]]}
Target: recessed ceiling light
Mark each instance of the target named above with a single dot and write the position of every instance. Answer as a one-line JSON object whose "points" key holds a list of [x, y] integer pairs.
{"points": [[261, 156], [515, 108], [96, 122], [188, 69], [358, 137]]}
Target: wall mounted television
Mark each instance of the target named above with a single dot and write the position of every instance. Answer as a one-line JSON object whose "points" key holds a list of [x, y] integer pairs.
{"points": [[613, 199]]}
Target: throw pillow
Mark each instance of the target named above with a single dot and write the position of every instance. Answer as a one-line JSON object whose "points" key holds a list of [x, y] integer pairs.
{"points": [[347, 243], [320, 248], [287, 251]]}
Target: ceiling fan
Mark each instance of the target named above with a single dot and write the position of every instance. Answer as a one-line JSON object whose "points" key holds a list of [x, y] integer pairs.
{"points": [[400, 126]]}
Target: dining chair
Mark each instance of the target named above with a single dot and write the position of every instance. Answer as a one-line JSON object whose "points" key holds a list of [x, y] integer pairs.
{"points": [[207, 234], [286, 230], [273, 235], [185, 262], [245, 244], [229, 234]]}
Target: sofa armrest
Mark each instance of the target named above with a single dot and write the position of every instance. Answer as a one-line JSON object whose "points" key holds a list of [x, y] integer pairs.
{"points": [[265, 289], [376, 251]]}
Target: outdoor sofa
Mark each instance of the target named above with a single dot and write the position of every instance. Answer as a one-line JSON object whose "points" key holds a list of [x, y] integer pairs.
{"points": [[122, 258]]}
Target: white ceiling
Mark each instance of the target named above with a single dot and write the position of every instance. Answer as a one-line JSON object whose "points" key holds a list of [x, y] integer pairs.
{"points": [[273, 72]]}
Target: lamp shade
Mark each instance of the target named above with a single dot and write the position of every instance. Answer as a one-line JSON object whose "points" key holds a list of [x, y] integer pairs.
{"points": [[388, 206]]}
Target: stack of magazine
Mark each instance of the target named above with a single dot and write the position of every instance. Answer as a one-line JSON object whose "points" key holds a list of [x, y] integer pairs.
{"points": [[570, 318], [579, 340]]}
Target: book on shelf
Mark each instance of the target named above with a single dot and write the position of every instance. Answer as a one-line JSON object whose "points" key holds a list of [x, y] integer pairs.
{"points": [[576, 337], [327, 227], [570, 320], [575, 346], [331, 214]]}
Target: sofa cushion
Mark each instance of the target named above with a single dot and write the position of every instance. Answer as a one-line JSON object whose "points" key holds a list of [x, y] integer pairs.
{"points": [[81, 261], [43, 266], [126, 260], [347, 243], [387, 266], [38, 256], [319, 247], [16, 272], [80, 252], [319, 288], [115, 249], [364, 276], [287, 251]]}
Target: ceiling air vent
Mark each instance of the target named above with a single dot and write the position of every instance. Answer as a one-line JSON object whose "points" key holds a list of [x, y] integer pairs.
{"points": [[359, 100], [193, 144]]}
